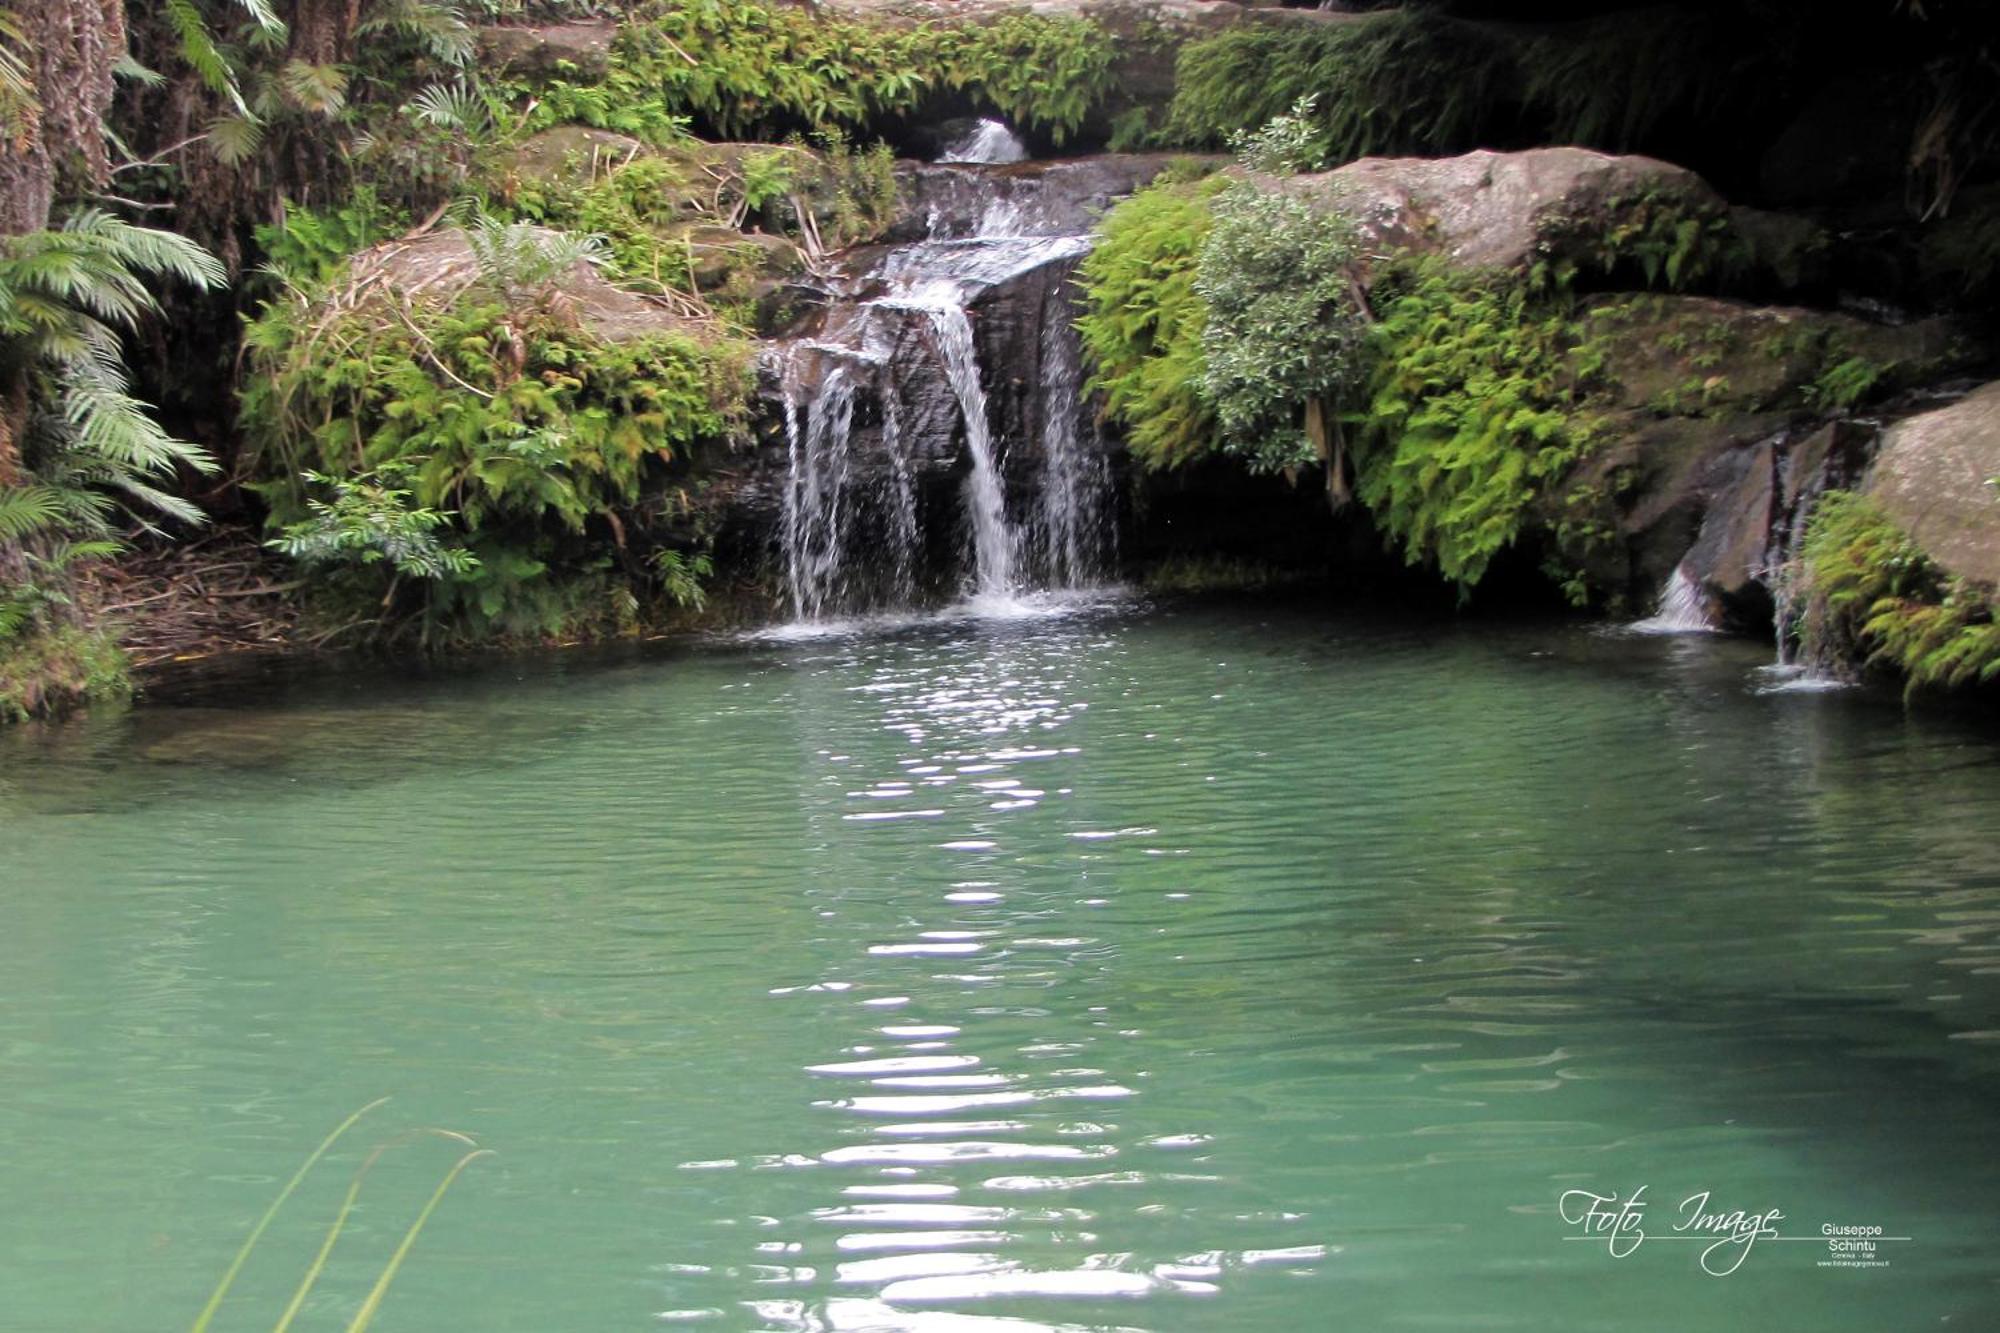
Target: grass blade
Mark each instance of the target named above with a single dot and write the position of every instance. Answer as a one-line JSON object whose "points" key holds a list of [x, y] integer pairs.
{"points": [[318, 1265], [257, 1232], [366, 1315]]}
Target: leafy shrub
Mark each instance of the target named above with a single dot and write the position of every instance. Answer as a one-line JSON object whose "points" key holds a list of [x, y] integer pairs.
{"points": [[1867, 592], [747, 69], [1283, 339], [1474, 413], [475, 464], [1142, 321]]}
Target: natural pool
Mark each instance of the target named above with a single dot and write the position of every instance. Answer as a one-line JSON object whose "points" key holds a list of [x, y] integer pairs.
{"points": [[1171, 969]]}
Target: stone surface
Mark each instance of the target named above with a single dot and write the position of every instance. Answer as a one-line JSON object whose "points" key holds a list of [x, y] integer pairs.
{"points": [[542, 51], [1931, 477], [442, 263], [1495, 210]]}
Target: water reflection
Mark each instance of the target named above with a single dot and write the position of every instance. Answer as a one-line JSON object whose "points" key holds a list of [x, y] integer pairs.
{"points": [[1183, 972]]}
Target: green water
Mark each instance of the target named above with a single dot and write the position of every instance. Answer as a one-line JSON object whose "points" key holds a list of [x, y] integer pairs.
{"points": [[1167, 970]]}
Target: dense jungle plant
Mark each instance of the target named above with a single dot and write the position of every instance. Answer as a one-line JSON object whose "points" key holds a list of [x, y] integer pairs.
{"points": [[1142, 320], [1475, 412], [1866, 592], [77, 452], [1416, 80], [473, 464], [747, 69]]}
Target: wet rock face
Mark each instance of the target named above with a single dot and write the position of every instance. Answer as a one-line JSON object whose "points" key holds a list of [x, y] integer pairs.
{"points": [[1706, 452], [1931, 476]]}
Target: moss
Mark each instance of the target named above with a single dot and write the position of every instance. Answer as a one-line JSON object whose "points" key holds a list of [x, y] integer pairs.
{"points": [[53, 671], [1867, 594]]}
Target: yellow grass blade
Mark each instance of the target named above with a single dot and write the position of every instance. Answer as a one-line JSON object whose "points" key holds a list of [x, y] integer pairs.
{"points": [[366, 1315], [257, 1232]]}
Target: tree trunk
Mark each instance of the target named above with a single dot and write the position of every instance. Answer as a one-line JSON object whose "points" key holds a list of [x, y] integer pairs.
{"points": [[1323, 429], [72, 47]]}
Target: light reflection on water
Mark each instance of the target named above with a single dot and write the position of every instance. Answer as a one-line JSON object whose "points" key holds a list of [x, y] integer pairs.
{"points": [[1195, 970]]}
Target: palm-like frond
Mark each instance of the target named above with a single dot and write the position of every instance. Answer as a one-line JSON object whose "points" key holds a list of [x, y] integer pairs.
{"points": [[20, 109], [439, 29], [199, 49]]}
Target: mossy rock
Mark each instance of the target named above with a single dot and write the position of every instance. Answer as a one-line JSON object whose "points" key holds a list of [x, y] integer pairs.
{"points": [[1488, 210], [1706, 357], [575, 154], [1932, 477], [578, 51]]}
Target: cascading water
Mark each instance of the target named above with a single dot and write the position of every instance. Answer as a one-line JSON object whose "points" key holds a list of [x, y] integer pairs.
{"points": [[1682, 609], [1072, 528], [987, 142], [890, 387]]}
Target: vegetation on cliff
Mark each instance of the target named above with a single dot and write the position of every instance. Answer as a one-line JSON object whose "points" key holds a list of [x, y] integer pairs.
{"points": [[1865, 592], [478, 459]]}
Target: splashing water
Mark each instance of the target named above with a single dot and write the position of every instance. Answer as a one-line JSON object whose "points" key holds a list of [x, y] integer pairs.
{"points": [[987, 143], [853, 526], [1682, 610]]}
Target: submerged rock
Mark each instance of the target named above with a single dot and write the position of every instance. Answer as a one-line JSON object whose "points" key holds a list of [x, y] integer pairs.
{"points": [[1934, 476]]}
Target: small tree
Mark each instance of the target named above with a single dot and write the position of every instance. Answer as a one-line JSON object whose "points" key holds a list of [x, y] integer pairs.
{"points": [[1284, 338]]}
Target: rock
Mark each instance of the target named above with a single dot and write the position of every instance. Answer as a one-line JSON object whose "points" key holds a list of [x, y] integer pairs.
{"points": [[1931, 477], [442, 263], [1500, 210], [1707, 442], [574, 154], [544, 52]]}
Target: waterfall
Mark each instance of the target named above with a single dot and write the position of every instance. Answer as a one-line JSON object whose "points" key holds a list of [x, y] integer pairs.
{"points": [[985, 500], [987, 142], [889, 390], [840, 531], [1072, 525], [1682, 610]]}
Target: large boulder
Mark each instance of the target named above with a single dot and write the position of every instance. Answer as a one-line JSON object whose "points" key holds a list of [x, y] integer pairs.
{"points": [[1505, 210], [1933, 476], [442, 264], [577, 51]]}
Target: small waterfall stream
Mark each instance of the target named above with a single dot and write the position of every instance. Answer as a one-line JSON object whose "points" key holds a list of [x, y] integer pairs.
{"points": [[985, 499], [1682, 608], [889, 390]]}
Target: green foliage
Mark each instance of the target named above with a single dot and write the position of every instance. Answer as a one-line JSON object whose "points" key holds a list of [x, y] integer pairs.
{"points": [[53, 670], [488, 447], [1283, 329], [1415, 80], [1407, 81], [313, 245], [1869, 593], [1142, 321], [1474, 415], [367, 520], [1845, 384], [1658, 236], [74, 443], [747, 69]]}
